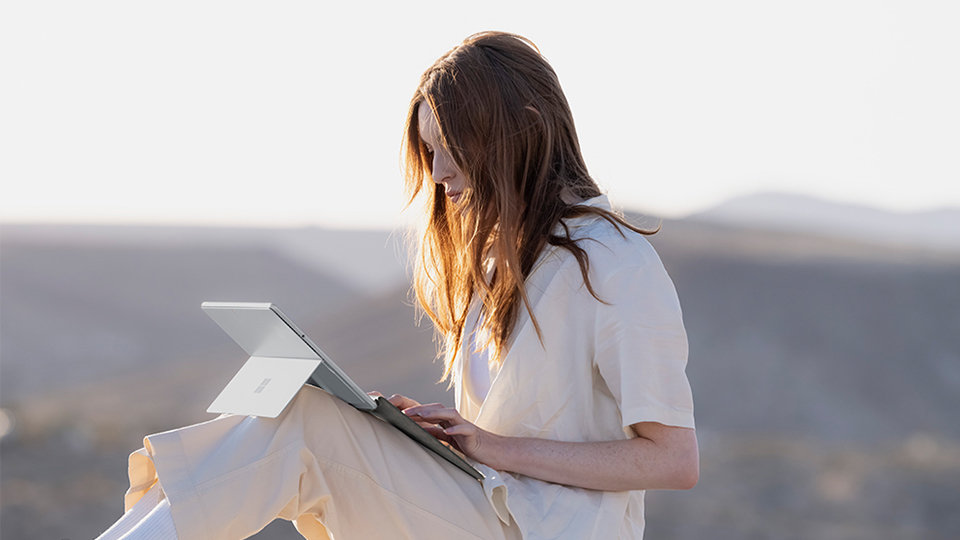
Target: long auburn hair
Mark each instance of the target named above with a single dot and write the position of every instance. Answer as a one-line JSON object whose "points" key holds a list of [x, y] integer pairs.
{"points": [[506, 122]]}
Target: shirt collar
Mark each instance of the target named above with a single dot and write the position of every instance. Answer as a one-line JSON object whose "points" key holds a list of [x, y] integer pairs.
{"points": [[600, 202]]}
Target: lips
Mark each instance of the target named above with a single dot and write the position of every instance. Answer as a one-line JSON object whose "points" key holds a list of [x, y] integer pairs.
{"points": [[454, 196]]}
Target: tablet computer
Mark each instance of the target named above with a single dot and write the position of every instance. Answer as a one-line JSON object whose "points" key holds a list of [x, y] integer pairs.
{"points": [[282, 359]]}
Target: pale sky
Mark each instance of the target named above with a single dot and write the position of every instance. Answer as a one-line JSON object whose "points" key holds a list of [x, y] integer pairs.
{"points": [[290, 113]]}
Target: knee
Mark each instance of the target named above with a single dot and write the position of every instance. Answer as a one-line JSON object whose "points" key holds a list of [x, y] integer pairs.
{"points": [[311, 398], [310, 410], [320, 416], [316, 405]]}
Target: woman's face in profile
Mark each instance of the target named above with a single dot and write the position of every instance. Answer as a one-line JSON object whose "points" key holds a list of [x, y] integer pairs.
{"points": [[443, 169]]}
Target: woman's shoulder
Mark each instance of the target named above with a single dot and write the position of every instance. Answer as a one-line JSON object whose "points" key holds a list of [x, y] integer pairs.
{"points": [[611, 249], [611, 246], [606, 240]]}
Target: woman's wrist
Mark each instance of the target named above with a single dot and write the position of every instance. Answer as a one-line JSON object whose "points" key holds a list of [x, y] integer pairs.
{"points": [[497, 451]]}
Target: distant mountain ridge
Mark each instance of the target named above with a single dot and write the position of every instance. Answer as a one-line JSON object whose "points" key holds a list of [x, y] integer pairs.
{"points": [[937, 229]]}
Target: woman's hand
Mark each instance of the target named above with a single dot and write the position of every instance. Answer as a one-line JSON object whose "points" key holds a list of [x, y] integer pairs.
{"points": [[447, 425], [443, 423], [402, 403], [398, 401]]}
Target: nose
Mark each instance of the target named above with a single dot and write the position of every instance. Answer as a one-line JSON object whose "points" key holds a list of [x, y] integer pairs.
{"points": [[443, 168]]}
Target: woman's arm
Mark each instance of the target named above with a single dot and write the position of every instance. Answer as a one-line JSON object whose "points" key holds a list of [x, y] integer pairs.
{"points": [[660, 457]]}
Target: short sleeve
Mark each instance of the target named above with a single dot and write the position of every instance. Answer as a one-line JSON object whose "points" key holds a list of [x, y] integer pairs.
{"points": [[641, 345]]}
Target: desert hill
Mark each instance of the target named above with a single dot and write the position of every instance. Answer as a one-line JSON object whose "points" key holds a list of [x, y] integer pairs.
{"points": [[936, 229]]}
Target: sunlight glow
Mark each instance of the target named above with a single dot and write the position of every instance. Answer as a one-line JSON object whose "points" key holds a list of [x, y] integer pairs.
{"points": [[291, 114]]}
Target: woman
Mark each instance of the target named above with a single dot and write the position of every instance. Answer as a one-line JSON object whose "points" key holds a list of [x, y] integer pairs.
{"points": [[562, 336]]}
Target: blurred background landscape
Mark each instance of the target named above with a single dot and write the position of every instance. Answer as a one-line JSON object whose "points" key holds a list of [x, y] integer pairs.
{"points": [[159, 155], [824, 359]]}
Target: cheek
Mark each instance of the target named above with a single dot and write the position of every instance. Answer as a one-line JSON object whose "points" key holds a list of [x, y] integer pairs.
{"points": [[454, 170]]}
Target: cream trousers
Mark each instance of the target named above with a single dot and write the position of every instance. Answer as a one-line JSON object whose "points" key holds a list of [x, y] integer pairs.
{"points": [[336, 472]]}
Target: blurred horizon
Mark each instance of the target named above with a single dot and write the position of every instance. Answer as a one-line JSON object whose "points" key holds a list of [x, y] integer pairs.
{"points": [[751, 198]]}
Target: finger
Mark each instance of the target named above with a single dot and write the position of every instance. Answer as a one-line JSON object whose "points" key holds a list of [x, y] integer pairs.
{"points": [[436, 415], [452, 443], [443, 437], [418, 409], [402, 402], [437, 432], [460, 429], [374, 394]]}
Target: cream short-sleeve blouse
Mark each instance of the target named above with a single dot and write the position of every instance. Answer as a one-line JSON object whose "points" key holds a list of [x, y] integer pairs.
{"points": [[599, 369]]}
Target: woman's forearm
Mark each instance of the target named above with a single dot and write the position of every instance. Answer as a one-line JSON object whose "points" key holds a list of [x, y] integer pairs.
{"points": [[638, 463], [660, 457]]}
